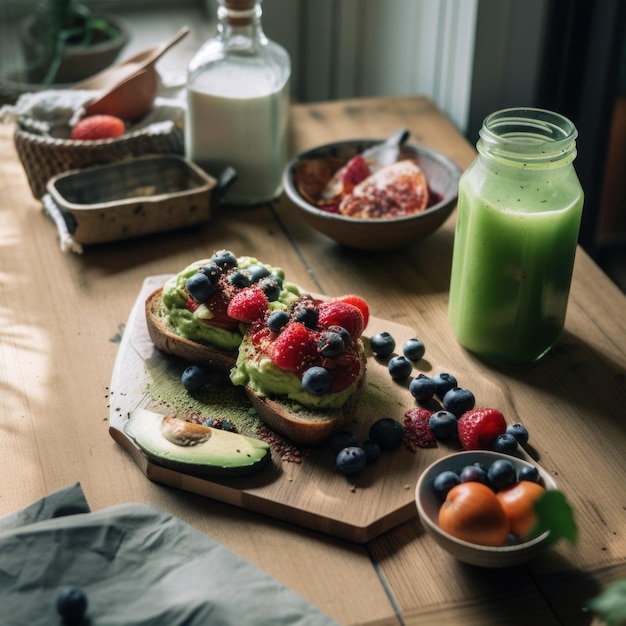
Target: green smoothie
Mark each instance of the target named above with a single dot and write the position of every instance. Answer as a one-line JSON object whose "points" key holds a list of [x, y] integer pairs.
{"points": [[513, 257]]}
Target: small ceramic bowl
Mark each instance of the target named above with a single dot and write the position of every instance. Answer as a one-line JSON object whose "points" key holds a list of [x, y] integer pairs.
{"points": [[485, 556], [388, 233]]}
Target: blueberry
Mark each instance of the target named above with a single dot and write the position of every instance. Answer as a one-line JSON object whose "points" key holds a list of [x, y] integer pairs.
{"points": [[330, 344], [444, 482], [519, 432], [257, 271], [399, 367], [342, 439], [351, 460], [194, 378], [345, 335], [413, 349], [240, 278], [271, 288], [382, 344], [530, 473], [443, 424], [422, 388], [71, 604], [443, 383], [225, 260], [458, 400], [387, 433], [501, 474], [212, 272], [372, 450], [317, 380], [277, 320], [474, 474], [199, 287], [505, 443], [308, 316]]}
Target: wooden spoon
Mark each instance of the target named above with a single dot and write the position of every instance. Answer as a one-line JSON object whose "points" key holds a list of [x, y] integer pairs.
{"points": [[129, 88]]}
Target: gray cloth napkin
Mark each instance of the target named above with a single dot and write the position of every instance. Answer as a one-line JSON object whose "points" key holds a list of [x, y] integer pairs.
{"points": [[138, 565]]}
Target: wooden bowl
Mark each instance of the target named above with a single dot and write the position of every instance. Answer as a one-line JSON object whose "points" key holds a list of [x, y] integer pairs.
{"points": [[388, 233], [485, 556]]}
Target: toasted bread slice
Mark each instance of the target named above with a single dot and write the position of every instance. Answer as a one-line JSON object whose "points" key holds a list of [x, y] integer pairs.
{"points": [[165, 338], [288, 419]]}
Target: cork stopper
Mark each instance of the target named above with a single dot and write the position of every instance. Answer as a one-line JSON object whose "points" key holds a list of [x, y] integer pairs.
{"points": [[240, 12]]}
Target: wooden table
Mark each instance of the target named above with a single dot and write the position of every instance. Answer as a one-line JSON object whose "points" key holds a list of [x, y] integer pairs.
{"points": [[62, 316]]}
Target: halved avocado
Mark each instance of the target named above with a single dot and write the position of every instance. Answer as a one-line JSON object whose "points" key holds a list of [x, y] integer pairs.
{"points": [[193, 448]]}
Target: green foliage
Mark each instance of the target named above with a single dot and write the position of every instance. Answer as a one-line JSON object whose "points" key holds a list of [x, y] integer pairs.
{"points": [[555, 514], [610, 605]]}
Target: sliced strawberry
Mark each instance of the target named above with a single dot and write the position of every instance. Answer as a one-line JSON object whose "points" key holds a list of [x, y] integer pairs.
{"points": [[359, 303], [294, 348], [248, 305], [479, 427], [346, 372], [336, 313], [417, 432]]}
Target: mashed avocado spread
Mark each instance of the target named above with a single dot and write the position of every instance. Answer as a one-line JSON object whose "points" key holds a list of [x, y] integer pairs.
{"points": [[268, 380], [196, 325]]}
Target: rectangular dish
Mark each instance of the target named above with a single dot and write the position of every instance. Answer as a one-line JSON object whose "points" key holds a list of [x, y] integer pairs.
{"points": [[131, 198]]}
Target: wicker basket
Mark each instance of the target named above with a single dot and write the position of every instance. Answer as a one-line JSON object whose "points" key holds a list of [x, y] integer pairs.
{"points": [[44, 157]]}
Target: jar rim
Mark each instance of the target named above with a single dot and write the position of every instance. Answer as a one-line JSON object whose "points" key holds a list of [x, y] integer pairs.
{"points": [[529, 134]]}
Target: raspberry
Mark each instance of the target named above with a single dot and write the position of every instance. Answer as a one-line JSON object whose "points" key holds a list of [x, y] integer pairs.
{"points": [[248, 305], [359, 303], [337, 313], [98, 127], [417, 430], [479, 427], [294, 348]]}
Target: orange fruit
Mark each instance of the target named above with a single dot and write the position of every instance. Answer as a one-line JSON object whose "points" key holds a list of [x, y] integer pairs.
{"points": [[473, 513], [518, 502]]}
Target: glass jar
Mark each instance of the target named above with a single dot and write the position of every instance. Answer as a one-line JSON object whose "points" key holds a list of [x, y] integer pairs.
{"points": [[238, 104], [519, 212]]}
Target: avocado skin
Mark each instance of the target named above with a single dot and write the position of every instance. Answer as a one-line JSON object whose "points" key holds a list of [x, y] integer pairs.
{"points": [[225, 454]]}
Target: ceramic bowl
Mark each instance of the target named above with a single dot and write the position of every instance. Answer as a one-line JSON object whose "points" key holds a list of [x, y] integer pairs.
{"points": [[485, 556], [441, 173]]}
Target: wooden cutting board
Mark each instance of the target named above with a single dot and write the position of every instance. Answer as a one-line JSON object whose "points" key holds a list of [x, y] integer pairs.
{"points": [[312, 493]]}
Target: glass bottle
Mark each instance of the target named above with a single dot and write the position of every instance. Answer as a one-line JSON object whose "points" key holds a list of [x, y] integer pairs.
{"points": [[519, 212], [238, 104]]}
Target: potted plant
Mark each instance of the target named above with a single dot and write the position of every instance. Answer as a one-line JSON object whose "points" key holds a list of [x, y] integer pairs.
{"points": [[64, 42]]}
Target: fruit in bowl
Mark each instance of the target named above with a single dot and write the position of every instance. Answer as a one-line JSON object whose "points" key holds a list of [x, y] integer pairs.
{"points": [[345, 191], [479, 506]]}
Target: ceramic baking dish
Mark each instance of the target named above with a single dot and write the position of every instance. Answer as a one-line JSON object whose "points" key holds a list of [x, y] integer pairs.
{"points": [[131, 198]]}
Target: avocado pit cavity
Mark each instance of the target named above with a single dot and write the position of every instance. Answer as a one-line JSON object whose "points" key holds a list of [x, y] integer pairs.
{"points": [[182, 433]]}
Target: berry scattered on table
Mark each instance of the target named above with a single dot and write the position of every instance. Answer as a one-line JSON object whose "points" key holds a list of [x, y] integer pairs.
{"points": [[505, 443], [387, 433], [342, 439], [95, 127], [351, 460], [443, 383], [518, 431], [479, 427], [382, 344], [194, 378], [399, 367], [372, 451], [413, 349], [71, 604], [443, 424], [422, 388], [458, 400], [417, 432]]}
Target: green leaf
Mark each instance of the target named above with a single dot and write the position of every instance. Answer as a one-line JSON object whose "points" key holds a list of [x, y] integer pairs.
{"points": [[610, 605], [555, 515]]}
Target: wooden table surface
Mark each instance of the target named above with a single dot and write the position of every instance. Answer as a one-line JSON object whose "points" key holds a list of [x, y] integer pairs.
{"points": [[62, 316]]}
